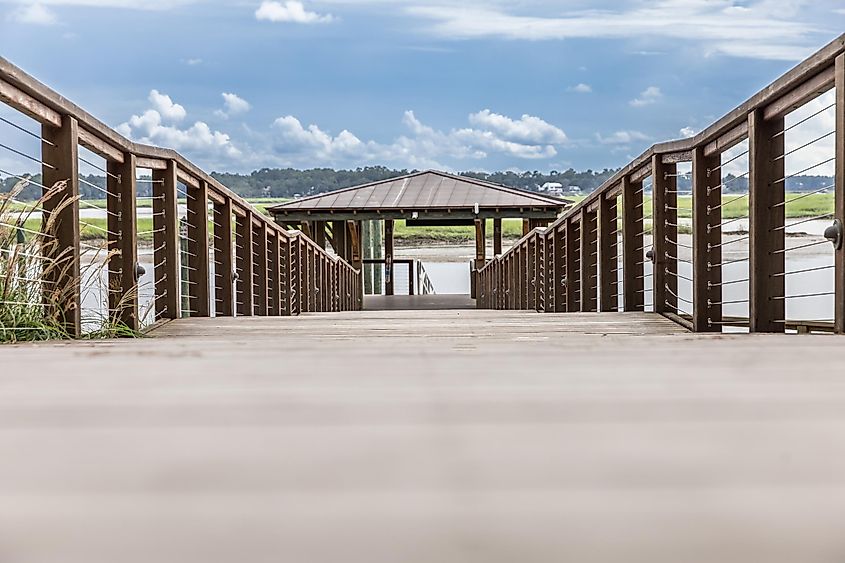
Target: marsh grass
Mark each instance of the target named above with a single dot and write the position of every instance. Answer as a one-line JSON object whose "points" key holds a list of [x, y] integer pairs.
{"points": [[32, 270]]}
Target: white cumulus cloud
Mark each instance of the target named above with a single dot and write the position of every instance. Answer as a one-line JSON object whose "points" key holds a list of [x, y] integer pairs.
{"points": [[291, 11], [581, 88], [291, 138], [34, 14], [526, 130], [762, 29], [423, 146], [649, 96], [157, 126], [232, 105], [166, 108], [622, 138]]}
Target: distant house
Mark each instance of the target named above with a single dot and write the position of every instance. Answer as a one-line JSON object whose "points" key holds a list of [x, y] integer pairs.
{"points": [[573, 190], [552, 188]]}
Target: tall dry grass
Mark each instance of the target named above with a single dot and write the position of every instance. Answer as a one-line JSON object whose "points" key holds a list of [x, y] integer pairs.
{"points": [[33, 274]]}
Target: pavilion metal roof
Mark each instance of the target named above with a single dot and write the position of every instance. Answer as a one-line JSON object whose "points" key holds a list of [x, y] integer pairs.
{"points": [[428, 191]]}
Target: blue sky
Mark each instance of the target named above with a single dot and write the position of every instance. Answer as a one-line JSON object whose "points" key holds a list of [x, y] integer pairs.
{"points": [[523, 85]]}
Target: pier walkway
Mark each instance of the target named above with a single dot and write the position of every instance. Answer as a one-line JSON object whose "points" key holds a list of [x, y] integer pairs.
{"points": [[420, 436]]}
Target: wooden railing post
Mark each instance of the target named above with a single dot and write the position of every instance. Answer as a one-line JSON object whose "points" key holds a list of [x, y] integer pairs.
{"points": [[664, 248], [62, 284], [608, 274], [295, 275], [633, 226], [589, 261], [522, 266], [548, 271], [707, 241], [168, 304], [198, 274], [573, 265], [308, 297], [274, 307], [243, 260], [224, 282], [284, 275], [261, 268], [302, 278], [839, 206], [531, 272], [557, 282], [767, 218], [122, 241]]}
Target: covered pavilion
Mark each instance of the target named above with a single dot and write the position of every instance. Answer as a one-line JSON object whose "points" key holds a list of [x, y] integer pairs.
{"points": [[428, 198]]}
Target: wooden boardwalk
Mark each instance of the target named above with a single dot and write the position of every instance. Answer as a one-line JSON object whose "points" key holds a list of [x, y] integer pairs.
{"points": [[424, 436]]}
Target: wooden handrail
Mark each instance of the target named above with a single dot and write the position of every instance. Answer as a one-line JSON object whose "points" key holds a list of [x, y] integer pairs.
{"points": [[573, 265], [273, 271]]}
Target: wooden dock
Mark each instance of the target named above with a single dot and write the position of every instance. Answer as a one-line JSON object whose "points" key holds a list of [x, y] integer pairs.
{"points": [[424, 436]]}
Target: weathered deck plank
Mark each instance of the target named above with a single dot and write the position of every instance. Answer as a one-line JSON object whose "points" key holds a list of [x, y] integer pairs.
{"points": [[447, 436]]}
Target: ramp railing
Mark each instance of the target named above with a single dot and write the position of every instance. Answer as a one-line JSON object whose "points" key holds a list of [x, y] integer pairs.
{"points": [[213, 253], [737, 228]]}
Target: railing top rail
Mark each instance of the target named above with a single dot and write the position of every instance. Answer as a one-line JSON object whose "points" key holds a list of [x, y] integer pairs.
{"points": [[806, 81]]}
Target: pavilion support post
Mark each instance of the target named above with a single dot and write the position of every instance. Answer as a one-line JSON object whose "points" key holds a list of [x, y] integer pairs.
{"points": [[839, 205], [367, 254], [665, 240], [480, 252], [340, 240], [307, 228], [707, 245], [497, 237], [388, 258], [198, 274], [320, 234], [224, 280], [766, 207], [122, 237], [378, 254], [168, 304], [608, 255], [63, 293], [526, 227], [633, 226], [354, 233]]}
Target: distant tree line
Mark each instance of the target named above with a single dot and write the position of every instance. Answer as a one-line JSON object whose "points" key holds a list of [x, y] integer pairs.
{"points": [[291, 183]]}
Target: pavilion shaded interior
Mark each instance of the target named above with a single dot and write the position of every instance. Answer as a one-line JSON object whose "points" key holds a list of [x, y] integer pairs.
{"points": [[429, 198]]}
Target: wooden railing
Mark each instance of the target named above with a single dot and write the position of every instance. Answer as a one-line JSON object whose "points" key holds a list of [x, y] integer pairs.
{"points": [[237, 261], [597, 257]]}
